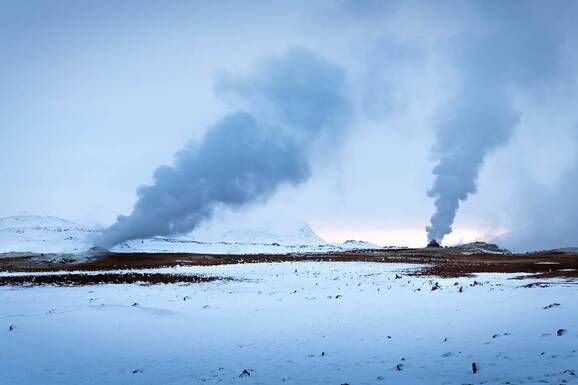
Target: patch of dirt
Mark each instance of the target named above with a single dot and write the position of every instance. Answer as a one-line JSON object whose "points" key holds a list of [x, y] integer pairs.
{"points": [[438, 262], [79, 279], [552, 264]]}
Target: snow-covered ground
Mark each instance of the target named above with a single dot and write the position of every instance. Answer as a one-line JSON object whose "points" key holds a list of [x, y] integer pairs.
{"points": [[294, 323], [39, 234]]}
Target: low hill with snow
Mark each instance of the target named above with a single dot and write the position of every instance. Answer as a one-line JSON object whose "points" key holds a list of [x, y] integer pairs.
{"points": [[39, 234]]}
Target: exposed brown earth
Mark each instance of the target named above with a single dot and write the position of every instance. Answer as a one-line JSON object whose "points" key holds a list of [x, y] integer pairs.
{"points": [[79, 279], [441, 262]]}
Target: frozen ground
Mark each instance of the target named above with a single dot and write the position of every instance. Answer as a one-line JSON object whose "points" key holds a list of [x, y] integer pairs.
{"points": [[295, 323]]}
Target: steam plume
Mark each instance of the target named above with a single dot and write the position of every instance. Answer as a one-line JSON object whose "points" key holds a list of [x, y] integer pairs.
{"points": [[291, 101], [549, 214], [513, 51]]}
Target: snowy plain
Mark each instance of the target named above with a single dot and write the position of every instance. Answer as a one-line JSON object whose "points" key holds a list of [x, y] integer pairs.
{"points": [[294, 323]]}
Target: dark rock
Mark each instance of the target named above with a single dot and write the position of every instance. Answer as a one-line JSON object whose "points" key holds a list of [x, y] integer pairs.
{"points": [[246, 373], [433, 243], [483, 247], [474, 368], [560, 332]]}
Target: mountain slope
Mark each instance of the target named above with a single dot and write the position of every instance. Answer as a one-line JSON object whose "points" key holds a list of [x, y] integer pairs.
{"points": [[40, 234]]}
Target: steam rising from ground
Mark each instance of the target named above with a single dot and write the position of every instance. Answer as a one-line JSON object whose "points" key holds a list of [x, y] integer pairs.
{"points": [[292, 102], [549, 216], [512, 51]]}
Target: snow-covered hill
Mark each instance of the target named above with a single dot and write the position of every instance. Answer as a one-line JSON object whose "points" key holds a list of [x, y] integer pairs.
{"points": [[40, 234], [302, 235], [32, 233], [353, 244]]}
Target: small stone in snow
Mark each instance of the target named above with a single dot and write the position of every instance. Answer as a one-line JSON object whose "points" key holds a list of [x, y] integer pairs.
{"points": [[246, 373], [560, 332], [11, 327], [551, 306], [134, 304], [474, 368], [399, 367]]}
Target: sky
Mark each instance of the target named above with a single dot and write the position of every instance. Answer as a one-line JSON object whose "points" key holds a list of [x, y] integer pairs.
{"points": [[95, 96]]}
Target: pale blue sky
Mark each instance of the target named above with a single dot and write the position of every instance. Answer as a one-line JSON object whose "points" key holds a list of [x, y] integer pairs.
{"points": [[94, 96]]}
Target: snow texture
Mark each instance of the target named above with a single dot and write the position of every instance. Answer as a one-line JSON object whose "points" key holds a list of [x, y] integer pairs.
{"points": [[294, 323]]}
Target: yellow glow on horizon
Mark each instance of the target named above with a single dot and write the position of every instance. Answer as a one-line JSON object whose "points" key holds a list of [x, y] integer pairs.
{"points": [[404, 237]]}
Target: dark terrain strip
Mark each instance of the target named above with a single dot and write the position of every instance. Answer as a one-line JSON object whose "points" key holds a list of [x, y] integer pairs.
{"points": [[79, 279], [440, 262]]}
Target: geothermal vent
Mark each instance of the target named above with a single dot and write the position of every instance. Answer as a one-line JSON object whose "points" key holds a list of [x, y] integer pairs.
{"points": [[433, 243]]}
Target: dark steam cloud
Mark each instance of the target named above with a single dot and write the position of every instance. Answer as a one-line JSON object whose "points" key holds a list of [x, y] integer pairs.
{"points": [[290, 103]]}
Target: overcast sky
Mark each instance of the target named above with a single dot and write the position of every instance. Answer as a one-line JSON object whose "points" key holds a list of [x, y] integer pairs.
{"points": [[94, 96]]}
